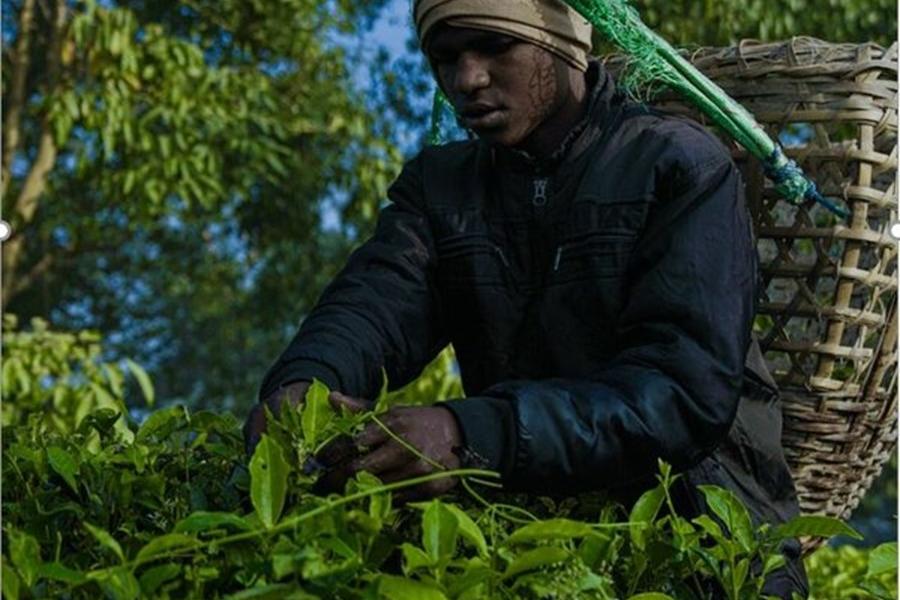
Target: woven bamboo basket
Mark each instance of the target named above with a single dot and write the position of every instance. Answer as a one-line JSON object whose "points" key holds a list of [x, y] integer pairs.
{"points": [[827, 319]]}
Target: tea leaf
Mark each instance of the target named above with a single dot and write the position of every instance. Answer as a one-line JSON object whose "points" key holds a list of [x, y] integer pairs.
{"points": [[316, 413], [275, 591], [469, 530], [64, 464], [118, 584], [883, 559], [9, 582], [773, 562], [439, 531], [733, 513], [644, 513], [201, 521], [60, 572], [536, 558], [651, 596], [399, 588], [25, 554], [551, 529], [268, 480], [162, 423], [814, 525], [163, 544], [739, 575], [414, 558], [158, 575], [143, 381], [105, 539]]}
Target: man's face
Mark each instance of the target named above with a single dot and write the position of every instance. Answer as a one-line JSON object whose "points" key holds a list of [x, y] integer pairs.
{"points": [[502, 88]]}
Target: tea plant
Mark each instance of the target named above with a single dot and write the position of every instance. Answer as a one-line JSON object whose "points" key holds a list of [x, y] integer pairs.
{"points": [[96, 505]]}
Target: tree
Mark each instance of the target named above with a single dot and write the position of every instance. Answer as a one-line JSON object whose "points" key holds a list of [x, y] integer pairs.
{"points": [[724, 22], [166, 166]]}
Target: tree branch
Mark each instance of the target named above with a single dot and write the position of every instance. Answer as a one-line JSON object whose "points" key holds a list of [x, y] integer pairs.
{"points": [[36, 181], [16, 99], [20, 284]]}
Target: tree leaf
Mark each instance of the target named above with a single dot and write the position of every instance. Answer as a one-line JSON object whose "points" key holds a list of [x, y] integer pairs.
{"points": [[399, 588], [536, 558], [551, 529], [814, 525], [202, 521], [143, 381], [105, 539], [644, 513], [650, 596], [268, 480], [64, 464], [316, 414], [439, 531], [163, 544]]}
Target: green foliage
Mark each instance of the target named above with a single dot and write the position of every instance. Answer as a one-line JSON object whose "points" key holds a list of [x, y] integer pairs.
{"points": [[724, 22], [849, 573], [198, 146], [169, 510], [59, 383]]}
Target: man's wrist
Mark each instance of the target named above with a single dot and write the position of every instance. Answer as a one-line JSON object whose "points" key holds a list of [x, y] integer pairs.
{"points": [[298, 370], [485, 425]]}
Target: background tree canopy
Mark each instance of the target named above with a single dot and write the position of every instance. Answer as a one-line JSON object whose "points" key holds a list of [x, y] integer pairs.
{"points": [[185, 177]]}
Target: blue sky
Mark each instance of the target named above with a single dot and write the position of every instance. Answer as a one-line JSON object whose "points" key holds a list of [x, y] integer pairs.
{"points": [[393, 27]]}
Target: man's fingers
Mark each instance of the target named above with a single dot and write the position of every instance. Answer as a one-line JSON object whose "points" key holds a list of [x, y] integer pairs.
{"points": [[337, 450], [356, 405], [254, 427], [387, 457], [425, 491], [412, 469], [372, 435]]}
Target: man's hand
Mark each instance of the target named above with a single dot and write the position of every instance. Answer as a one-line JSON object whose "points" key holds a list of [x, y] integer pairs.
{"points": [[432, 430], [255, 425]]}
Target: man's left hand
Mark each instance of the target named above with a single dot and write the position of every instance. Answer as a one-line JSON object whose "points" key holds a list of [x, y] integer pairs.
{"points": [[432, 430]]}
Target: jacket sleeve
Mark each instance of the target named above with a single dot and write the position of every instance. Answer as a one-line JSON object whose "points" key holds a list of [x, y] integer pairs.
{"points": [[379, 312], [671, 389]]}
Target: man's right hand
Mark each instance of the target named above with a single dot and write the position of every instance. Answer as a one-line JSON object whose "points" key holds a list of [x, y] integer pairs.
{"points": [[255, 425]]}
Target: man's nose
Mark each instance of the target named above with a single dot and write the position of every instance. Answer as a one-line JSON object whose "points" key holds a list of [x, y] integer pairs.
{"points": [[471, 73]]}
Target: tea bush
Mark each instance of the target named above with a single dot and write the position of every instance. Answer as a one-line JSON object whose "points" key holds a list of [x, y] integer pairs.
{"points": [[95, 504]]}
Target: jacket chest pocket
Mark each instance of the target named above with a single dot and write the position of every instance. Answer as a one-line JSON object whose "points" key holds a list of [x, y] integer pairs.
{"points": [[468, 260], [597, 241], [595, 255]]}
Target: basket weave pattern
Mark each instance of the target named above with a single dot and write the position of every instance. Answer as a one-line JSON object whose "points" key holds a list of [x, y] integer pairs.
{"points": [[827, 317]]}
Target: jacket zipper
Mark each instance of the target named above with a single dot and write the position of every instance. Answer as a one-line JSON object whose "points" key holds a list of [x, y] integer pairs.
{"points": [[539, 199]]}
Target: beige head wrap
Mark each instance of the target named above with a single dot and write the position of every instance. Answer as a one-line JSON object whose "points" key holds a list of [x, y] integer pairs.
{"points": [[550, 24]]}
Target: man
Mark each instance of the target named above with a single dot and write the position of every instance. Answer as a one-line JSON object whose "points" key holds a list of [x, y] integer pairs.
{"points": [[593, 264]]}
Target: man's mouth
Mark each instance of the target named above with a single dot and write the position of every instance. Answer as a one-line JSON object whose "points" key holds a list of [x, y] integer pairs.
{"points": [[481, 116]]}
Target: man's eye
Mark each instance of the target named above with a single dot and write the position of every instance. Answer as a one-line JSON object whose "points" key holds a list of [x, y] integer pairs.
{"points": [[497, 45], [442, 59]]}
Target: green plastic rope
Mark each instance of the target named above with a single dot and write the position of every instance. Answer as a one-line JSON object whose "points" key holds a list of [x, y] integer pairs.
{"points": [[652, 62]]}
